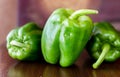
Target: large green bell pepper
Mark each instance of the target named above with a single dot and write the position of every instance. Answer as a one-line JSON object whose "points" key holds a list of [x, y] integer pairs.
{"points": [[104, 44], [24, 43], [65, 34]]}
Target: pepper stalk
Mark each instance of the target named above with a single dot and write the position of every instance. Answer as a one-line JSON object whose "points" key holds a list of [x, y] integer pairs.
{"points": [[83, 12], [105, 49]]}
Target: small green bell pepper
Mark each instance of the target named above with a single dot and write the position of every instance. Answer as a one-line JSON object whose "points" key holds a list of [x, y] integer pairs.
{"points": [[65, 34], [104, 44], [24, 43]]}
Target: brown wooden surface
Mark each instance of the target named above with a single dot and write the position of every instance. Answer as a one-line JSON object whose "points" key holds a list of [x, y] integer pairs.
{"points": [[82, 68]]}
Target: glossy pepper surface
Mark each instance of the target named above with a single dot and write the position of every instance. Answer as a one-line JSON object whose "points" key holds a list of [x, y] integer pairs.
{"points": [[104, 44], [65, 34], [24, 43]]}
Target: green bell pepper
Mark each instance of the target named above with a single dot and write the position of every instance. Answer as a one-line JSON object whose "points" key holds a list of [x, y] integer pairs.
{"points": [[104, 44], [24, 43], [65, 34]]}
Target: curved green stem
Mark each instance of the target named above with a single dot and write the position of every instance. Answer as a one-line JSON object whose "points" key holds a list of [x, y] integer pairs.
{"points": [[83, 12], [106, 48], [16, 43]]}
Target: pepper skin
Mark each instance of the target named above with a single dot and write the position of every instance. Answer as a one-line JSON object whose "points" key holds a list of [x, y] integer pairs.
{"points": [[65, 34], [104, 44], [24, 43]]}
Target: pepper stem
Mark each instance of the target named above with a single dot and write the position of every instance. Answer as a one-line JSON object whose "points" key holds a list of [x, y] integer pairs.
{"points": [[16, 43], [106, 48], [83, 12]]}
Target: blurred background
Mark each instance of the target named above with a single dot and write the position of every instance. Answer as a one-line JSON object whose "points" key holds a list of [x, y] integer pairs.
{"points": [[39, 10], [18, 12]]}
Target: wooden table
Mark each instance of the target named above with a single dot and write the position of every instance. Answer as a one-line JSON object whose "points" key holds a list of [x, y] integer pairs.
{"points": [[82, 68], [13, 68]]}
